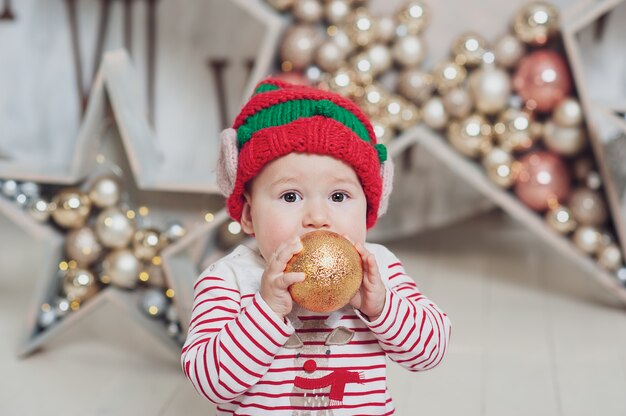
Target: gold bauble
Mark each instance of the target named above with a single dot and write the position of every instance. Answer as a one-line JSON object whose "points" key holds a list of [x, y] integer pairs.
{"points": [[513, 130], [458, 103], [343, 82], [362, 27], [561, 219], [298, 47], [105, 191], [566, 141], [383, 129], [536, 23], [147, 243], [70, 208], [332, 268], [610, 257], [39, 209], [471, 136], [409, 51], [498, 165], [82, 245], [568, 113], [374, 99], [448, 75], [434, 113], [309, 11], [468, 49], [337, 11], [401, 113], [415, 85], [508, 50], [414, 16], [490, 87], [588, 206], [122, 268], [588, 239], [409, 116], [79, 284], [113, 228], [329, 56], [363, 68]]}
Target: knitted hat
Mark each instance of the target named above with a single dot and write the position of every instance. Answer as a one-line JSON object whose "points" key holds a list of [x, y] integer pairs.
{"points": [[282, 118]]}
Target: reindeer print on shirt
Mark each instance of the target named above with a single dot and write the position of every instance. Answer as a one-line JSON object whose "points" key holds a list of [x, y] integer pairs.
{"points": [[316, 390]]}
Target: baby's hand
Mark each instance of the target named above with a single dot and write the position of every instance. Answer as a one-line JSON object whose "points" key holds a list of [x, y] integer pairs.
{"points": [[370, 299], [275, 283]]}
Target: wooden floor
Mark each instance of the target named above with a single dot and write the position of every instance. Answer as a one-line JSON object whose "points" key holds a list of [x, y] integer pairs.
{"points": [[532, 335]]}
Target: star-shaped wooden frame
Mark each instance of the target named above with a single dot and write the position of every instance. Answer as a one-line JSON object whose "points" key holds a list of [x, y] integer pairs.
{"points": [[589, 50]]}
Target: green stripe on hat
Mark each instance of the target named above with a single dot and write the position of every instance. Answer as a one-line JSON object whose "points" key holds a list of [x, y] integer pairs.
{"points": [[284, 113], [264, 88]]}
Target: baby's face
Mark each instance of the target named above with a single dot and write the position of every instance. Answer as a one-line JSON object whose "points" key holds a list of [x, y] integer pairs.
{"points": [[299, 193]]}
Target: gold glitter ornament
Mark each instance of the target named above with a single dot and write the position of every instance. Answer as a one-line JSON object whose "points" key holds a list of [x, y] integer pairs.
{"points": [[333, 272], [468, 49], [147, 243], [536, 23], [414, 16], [498, 164], [79, 284]]}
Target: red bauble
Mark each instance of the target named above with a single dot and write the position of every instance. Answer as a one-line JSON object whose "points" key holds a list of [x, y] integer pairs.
{"points": [[542, 80], [543, 180]]}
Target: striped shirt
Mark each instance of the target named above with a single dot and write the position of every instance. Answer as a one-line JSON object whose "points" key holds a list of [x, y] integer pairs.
{"points": [[240, 355]]}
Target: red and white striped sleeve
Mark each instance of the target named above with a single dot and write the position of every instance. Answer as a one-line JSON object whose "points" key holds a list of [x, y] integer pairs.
{"points": [[411, 329], [229, 348]]}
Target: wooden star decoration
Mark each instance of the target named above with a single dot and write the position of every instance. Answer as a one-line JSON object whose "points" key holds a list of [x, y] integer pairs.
{"points": [[605, 125], [594, 40]]}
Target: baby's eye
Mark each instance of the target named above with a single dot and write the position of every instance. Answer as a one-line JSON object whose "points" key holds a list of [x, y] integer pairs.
{"points": [[338, 196], [290, 197]]}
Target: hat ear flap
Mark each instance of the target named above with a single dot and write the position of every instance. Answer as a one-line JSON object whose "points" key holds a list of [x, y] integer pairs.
{"points": [[386, 172], [227, 162]]}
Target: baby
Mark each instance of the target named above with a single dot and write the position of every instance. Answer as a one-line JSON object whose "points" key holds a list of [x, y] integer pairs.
{"points": [[297, 160]]}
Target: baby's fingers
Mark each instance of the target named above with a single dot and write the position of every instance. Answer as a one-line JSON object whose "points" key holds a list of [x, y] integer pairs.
{"points": [[283, 254], [287, 279]]}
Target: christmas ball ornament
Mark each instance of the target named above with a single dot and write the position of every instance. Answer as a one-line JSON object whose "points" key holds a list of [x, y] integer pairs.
{"points": [[10, 188], [447, 76], [174, 231], [468, 49], [513, 130], [374, 99], [308, 11], [566, 141], [409, 50], [536, 23], [382, 129], [154, 302], [415, 85], [490, 88], [588, 239], [498, 165], [70, 208], [329, 56], [379, 57], [82, 245], [542, 80], [229, 235], [39, 209], [298, 47], [341, 38], [332, 268], [147, 243], [568, 113], [113, 228], [386, 29], [560, 219], [105, 192], [414, 16], [61, 306], [122, 268], [79, 284], [610, 257], [458, 103], [434, 113], [362, 27], [588, 207], [363, 68], [471, 136], [47, 316], [30, 189], [337, 11], [409, 116], [543, 180], [343, 82], [508, 50]]}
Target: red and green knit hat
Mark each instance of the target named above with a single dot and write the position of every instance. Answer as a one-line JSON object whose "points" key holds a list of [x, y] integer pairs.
{"points": [[282, 118]]}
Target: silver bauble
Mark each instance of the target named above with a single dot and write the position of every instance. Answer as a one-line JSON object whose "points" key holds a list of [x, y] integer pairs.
{"points": [[114, 229], [9, 188], [39, 209], [175, 231], [30, 189], [154, 302]]}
